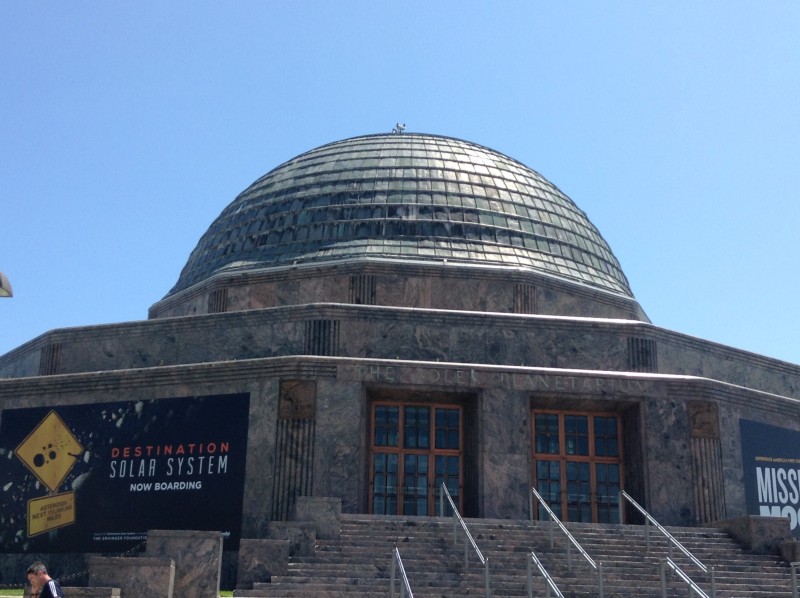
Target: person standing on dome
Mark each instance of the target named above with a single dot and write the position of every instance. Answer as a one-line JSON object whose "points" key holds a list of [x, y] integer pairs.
{"points": [[42, 585]]}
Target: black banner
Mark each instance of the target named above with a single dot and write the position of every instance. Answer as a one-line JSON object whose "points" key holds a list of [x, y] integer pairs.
{"points": [[771, 463], [96, 477]]}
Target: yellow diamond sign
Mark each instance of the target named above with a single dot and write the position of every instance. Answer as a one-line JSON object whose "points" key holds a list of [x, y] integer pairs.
{"points": [[50, 451]]}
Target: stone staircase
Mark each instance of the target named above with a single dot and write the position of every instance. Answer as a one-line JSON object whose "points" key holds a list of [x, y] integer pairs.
{"points": [[628, 565], [359, 562]]}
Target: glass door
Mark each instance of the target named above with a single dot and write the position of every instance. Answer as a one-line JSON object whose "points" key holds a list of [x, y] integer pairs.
{"points": [[577, 461], [414, 449]]}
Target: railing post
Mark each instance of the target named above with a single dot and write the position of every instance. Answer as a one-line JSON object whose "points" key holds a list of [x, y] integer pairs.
{"points": [[391, 586], [600, 579], [621, 506], [530, 579], [530, 505], [441, 500], [647, 533], [466, 553], [663, 579], [569, 556], [455, 531], [713, 584], [486, 575], [794, 579], [550, 529]]}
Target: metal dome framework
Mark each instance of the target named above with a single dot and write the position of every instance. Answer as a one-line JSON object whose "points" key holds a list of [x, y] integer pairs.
{"points": [[408, 197]]}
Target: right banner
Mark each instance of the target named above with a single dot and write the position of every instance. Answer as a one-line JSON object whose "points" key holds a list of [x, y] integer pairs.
{"points": [[771, 463]]}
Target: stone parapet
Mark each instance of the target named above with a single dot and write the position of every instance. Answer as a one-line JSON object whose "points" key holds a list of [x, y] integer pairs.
{"points": [[92, 592], [135, 576], [762, 535], [301, 535], [789, 551], [325, 513], [260, 559], [197, 556]]}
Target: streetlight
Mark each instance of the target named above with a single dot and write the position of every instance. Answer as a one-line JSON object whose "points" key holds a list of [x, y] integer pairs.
{"points": [[5, 286]]}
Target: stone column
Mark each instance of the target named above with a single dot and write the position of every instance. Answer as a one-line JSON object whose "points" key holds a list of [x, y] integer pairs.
{"points": [[197, 556], [707, 462]]}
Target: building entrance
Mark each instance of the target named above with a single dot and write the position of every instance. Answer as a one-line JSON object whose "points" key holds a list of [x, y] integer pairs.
{"points": [[577, 464], [414, 448]]}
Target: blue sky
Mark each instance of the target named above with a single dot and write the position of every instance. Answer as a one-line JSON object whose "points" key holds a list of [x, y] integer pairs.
{"points": [[126, 128]]}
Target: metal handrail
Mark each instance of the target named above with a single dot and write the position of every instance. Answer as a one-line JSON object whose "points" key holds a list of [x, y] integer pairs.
{"points": [[405, 587], [563, 528], [444, 492], [548, 580], [693, 587], [660, 528], [597, 566]]}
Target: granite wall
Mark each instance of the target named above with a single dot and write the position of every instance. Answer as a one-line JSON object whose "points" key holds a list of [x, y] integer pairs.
{"points": [[399, 334], [660, 466], [659, 448], [430, 286]]}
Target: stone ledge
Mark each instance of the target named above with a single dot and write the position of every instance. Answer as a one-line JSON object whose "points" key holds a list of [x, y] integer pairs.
{"points": [[761, 535], [302, 535], [324, 512], [789, 551], [197, 555], [260, 559], [141, 577], [92, 592]]}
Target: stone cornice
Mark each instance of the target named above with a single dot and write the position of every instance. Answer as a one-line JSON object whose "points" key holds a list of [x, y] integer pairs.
{"points": [[475, 377], [390, 267], [239, 372], [179, 325]]}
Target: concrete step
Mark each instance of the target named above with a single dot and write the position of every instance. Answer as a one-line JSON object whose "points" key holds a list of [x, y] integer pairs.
{"points": [[359, 562]]}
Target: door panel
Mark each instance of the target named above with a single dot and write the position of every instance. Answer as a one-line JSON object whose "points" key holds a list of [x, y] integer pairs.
{"points": [[577, 459], [409, 456]]}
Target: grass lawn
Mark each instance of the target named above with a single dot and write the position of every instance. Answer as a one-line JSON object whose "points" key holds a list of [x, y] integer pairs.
{"points": [[15, 593]]}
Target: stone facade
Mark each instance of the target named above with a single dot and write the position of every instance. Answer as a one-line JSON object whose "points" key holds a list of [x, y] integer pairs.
{"points": [[500, 395]]}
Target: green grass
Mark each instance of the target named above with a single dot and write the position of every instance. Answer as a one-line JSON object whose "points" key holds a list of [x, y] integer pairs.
{"points": [[15, 593]]}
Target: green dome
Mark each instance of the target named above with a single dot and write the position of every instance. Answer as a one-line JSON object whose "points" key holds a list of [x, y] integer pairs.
{"points": [[409, 197]]}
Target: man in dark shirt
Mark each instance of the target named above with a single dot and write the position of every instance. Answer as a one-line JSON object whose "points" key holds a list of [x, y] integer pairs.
{"points": [[41, 583]]}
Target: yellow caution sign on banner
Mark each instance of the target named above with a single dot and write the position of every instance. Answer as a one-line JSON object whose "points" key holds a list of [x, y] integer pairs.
{"points": [[50, 512], [50, 451]]}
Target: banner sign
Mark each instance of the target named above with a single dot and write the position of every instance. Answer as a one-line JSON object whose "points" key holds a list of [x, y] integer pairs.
{"points": [[96, 477], [771, 462]]}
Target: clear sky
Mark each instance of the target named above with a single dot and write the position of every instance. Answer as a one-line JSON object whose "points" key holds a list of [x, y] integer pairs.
{"points": [[126, 128]]}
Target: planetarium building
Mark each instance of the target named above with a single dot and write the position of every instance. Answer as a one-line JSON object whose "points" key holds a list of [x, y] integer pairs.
{"points": [[367, 321]]}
